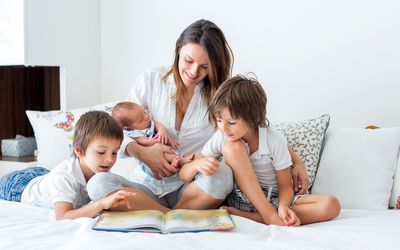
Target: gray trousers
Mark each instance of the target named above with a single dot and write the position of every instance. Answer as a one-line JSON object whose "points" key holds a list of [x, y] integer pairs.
{"points": [[217, 186]]}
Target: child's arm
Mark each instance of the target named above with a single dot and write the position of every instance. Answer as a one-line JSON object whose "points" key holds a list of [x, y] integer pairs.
{"points": [[144, 141], [205, 165], [64, 210], [236, 156], [299, 173], [286, 193], [163, 136]]}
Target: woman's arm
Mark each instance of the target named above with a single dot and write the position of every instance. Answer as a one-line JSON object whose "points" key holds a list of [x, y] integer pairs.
{"points": [[153, 157], [64, 210], [299, 174]]}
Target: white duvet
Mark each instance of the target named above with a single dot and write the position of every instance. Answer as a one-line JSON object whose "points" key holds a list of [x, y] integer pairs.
{"points": [[28, 227]]}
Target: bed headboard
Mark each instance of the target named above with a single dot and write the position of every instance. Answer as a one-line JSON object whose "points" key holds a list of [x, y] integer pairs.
{"points": [[26, 87]]}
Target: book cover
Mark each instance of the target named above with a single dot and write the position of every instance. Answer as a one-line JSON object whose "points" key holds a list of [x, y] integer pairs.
{"points": [[175, 221]]}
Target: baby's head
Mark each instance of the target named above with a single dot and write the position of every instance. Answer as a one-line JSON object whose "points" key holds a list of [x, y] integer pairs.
{"points": [[97, 139], [244, 98], [131, 115]]}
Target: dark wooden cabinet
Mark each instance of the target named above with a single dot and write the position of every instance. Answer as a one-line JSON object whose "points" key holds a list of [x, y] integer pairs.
{"points": [[26, 88]]}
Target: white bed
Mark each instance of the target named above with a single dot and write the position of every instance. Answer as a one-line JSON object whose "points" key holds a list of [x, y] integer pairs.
{"points": [[28, 227], [360, 167]]}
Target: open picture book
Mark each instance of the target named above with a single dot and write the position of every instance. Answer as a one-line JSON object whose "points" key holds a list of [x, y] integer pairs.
{"points": [[175, 221]]}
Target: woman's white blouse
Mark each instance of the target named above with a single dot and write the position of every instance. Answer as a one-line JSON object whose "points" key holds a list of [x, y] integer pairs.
{"points": [[156, 96]]}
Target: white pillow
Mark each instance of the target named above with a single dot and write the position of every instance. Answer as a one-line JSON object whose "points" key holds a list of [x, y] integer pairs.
{"points": [[396, 187], [358, 165], [54, 131]]}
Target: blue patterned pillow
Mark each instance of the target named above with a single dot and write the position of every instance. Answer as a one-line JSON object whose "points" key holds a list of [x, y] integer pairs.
{"points": [[306, 139]]}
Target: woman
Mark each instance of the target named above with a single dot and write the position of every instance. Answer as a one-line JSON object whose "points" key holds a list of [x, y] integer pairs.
{"points": [[178, 98]]}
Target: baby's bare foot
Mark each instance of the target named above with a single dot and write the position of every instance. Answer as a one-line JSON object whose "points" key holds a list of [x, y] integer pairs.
{"points": [[186, 158], [175, 162]]}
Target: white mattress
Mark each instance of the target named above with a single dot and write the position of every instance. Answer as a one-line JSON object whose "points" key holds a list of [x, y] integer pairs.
{"points": [[28, 227]]}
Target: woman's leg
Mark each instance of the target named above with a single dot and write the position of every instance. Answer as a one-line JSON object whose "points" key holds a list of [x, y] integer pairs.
{"points": [[316, 208], [104, 184]]}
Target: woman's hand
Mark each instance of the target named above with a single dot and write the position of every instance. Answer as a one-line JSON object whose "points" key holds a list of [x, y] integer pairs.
{"points": [[153, 157]]}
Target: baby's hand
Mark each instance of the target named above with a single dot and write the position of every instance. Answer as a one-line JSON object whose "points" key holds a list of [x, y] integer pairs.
{"points": [[288, 217], [164, 138], [118, 199]]}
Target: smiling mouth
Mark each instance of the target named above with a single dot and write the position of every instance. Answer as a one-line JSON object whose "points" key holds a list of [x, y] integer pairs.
{"points": [[190, 78]]}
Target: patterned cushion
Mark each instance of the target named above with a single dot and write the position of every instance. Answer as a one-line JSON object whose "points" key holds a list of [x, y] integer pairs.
{"points": [[306, 138], [54, 131]]}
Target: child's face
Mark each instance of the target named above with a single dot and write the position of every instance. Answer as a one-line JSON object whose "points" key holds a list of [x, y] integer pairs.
{"points": [[233, 128], [100, 155], [139, 118]]}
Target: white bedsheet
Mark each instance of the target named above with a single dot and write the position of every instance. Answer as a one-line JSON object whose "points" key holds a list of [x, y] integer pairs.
{"points": [[28, 227]]}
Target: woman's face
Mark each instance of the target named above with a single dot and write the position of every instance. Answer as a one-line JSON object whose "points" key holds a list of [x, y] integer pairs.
{"points": [[193, 64]]}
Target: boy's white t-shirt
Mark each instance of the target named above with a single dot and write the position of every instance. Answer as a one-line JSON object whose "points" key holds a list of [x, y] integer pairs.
{"points": [[272, 154], [65, 182]]}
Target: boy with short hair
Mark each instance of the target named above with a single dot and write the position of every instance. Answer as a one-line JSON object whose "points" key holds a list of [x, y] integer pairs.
{"points": [[97, 138]]}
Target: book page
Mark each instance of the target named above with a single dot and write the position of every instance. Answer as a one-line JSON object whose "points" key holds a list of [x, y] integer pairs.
{"points": [[182, 220], [147, 220]]}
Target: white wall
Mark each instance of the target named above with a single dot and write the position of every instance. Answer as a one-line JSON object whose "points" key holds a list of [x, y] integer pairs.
{"points": [[67, 33], [11, 32], [313, 57]]}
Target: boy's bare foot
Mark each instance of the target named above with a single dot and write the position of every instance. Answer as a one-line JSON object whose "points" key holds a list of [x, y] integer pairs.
{"points": [[249, 215], [234, 211]]}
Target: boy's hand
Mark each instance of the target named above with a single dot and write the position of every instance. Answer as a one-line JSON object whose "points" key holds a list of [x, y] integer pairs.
{"points": [[288, 217], [207, 165], [118, 199], [300, 177]]}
